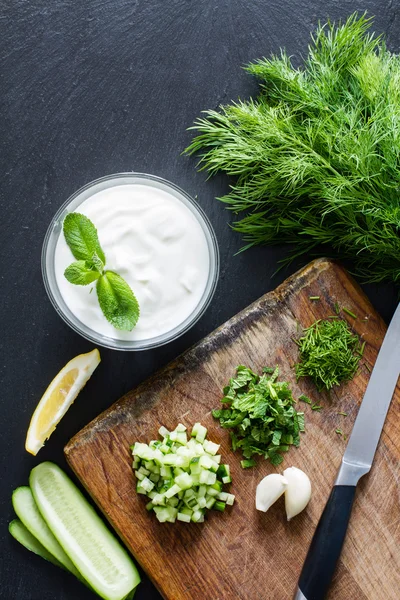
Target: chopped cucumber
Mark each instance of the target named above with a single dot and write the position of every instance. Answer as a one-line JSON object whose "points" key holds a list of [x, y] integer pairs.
{"points": [[24, 537], [97, 554], [26, 509], [183, 479]]}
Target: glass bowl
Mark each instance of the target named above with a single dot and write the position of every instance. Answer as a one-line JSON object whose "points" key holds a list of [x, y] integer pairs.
{"points": [[55, 230]]}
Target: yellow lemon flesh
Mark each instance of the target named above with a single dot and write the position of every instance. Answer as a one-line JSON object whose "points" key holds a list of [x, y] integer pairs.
{"points": [[58, 397]]}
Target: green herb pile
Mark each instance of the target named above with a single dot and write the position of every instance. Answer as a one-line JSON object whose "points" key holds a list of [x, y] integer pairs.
{"points": [[316, 155], [116, 299], [329, 353], [260, 414]]}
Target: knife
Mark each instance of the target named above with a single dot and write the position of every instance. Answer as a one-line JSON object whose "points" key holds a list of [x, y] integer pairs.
{"points": [[326, 545]]}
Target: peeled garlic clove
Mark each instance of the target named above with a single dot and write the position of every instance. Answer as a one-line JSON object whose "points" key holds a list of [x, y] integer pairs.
{"points": [[297, 493], [269, 490]]}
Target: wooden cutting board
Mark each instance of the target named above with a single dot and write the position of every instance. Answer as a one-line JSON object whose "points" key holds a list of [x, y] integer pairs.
{"points": [[242, 553]]}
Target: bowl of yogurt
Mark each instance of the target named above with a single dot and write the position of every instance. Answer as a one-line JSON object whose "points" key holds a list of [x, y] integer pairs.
{"points": [[157, 238]]}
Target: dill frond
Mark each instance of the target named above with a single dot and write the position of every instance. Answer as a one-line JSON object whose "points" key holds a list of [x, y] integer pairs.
{"points": [[316, 155]]}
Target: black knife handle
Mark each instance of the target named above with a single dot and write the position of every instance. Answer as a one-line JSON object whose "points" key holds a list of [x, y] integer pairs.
{"points": [[326, 545]]}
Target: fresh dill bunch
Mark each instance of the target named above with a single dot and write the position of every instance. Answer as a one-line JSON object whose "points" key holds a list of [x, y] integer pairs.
{"points": [[329, 353], [315, 156]]}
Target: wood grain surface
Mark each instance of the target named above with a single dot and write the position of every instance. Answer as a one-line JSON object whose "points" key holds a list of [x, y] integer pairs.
{"points": [[244, 554]]}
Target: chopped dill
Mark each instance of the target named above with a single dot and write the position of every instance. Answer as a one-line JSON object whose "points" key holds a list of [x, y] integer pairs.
{"points": [[350, 313], [304, 398], [315, 297], [329, 353]]}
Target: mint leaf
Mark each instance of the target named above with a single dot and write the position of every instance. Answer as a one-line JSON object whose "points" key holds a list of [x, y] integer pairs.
{"points": [[81, 237], [97, 263], [81, 273], [117, 301]]}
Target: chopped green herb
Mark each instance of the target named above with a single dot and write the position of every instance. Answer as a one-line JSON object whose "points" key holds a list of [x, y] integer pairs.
{"points": [[304, 398], [339, 431], [328, 353], [342, 413], [337, 308], [259, 412], [315, 297], [316, 407], [361, 350], [367, 367], [246, 464], [349, 312]]}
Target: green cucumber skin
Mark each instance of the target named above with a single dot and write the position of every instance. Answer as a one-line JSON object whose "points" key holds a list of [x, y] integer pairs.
{"points": [[22, 535], [29, 514], [65, 509]]}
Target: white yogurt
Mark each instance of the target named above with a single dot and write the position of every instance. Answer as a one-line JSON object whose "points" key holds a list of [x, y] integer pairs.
{"points": [[156, 244]]}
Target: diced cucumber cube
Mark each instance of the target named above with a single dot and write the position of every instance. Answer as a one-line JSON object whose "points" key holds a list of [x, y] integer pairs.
{"points": [[172, 491], [210, 502], [206, 462], [139, 475], [195, 429], [202, 491], [186, 511], [211, 447], [180, 427], [166, 472], [181, 438], [163, 431], [201, 434], [182, 517], [144, 471], [184, 481], [154, 477], [173, 501], [223, 496], [146, 484], [217, 486], [196, 516], [140, 489], [159, 499]]}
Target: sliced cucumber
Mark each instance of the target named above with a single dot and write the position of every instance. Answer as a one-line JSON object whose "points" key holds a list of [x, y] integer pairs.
{"points": [[24, 537], [97, 554], [28, 512]]}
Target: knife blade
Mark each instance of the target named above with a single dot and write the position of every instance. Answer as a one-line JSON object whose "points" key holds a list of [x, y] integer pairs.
{"points": [[326, 545]]}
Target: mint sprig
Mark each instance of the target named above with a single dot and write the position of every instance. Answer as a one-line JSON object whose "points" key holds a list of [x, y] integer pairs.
{"points": [[81, 236], [81, 272], [116, 299]]}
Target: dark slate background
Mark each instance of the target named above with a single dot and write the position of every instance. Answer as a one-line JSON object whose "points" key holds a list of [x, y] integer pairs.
{"points": [[95, 87]]}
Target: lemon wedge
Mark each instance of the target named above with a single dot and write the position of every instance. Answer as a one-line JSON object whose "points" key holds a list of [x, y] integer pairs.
{"points": [[58, 397]]}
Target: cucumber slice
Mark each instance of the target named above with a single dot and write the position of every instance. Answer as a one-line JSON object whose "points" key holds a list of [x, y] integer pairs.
{"points": [[97, 554], [24, 537], [29, 514]]}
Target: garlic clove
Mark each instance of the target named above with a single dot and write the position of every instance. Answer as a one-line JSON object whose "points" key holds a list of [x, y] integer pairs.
{"points": [[298, 491], [269, 490]]}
